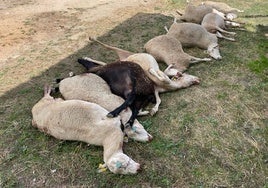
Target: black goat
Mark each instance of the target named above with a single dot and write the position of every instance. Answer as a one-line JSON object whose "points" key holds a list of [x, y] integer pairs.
{"points": [[128, 80]]}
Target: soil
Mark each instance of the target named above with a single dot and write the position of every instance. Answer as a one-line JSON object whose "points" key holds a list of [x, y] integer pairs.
{"points": [[36, 30]]}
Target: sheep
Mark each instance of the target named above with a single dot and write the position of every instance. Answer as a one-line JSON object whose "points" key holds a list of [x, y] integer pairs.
{"points": [[167, 49], [222, 7], [215, 24], [191, 34], [84, 121], [127, 80], [81, 87], [195, 14], [230, 12]]}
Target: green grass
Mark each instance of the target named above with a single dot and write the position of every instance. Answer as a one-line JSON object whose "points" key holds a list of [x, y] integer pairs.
{"points": [[211, 135]]}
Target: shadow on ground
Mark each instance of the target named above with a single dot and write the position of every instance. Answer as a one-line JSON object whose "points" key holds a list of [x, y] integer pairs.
{"points": [[15, 110]]}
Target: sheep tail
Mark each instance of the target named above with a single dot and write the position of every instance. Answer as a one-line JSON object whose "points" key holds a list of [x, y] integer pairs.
{"points": [[47, 90], [166, 29], [179, 13]]}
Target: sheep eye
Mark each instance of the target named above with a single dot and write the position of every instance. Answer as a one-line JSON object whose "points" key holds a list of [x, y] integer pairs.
{"points": [[134, 128], [118, 164]]}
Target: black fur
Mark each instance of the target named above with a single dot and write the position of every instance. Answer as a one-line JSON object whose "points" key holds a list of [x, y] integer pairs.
{"points": [[128, 80]]}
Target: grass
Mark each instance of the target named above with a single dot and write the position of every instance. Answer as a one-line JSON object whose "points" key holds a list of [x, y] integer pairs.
{"points": [[211, 135]]}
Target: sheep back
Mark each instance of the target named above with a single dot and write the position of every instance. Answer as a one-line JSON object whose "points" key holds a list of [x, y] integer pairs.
{"points": [[195, 14], [211, 21], [191, 34], [129, 72], [168, 49], [90, 87]]}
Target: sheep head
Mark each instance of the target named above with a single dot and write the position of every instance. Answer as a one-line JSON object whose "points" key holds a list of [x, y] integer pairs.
{"points": [[213, 51], [137, 132], [189, 80], [119, 163]]}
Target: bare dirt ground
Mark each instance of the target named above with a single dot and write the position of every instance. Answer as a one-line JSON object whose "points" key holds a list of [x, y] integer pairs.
{"points": [[33, 31]]}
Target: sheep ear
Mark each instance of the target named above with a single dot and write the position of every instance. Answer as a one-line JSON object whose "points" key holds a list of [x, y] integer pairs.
{"points": [[118, 164]]}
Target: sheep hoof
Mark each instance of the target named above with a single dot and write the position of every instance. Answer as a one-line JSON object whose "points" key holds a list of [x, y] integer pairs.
{"points": [[143, 113], [110, 115], [153, 111]]}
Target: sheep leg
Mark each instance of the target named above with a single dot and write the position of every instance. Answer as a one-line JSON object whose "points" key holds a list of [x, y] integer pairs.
{"points": [[140, 102], [196, 59], [134, 114], [169, 71], [129, 100], [158, 102], [94, 61], [233, 24], [224, 31], [218, 34], [143, 113], [159, 75], [221, 14], [164, 76], [122, 54]]}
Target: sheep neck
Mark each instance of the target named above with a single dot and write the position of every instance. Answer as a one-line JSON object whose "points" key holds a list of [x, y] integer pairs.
{"points": [[112, 144]]}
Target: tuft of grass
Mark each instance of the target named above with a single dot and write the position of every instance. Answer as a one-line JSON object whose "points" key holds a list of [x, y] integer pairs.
{"points": [[260, 66]]}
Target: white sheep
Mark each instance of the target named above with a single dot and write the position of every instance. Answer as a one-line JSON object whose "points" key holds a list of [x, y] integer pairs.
{"points": [[215, 24], [169, 50], [92, 88], [195, 14], [222, 7], [191, 34], [150, 66], [84, 121]]}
